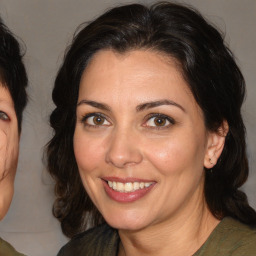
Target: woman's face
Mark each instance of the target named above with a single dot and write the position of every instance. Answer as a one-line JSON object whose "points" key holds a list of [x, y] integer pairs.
{"points": [[9, 147], [140, 141]]}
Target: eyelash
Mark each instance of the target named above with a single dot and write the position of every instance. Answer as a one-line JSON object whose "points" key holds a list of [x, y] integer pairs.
{"points": [[159, 116], [4, 116], [87, 116], [171, 121]]}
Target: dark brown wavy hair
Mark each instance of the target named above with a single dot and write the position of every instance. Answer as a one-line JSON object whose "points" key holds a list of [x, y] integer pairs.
{"points": [[211, 73]]}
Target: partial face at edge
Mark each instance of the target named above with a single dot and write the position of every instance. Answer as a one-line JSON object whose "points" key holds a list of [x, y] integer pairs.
{"points": [[140, 141], [9, 147]]}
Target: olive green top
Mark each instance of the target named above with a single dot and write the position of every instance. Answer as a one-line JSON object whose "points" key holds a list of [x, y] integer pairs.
{"points": [[229, 238], [7, 250]]}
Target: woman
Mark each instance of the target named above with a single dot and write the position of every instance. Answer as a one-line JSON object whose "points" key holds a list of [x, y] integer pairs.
{"points": [[13, 99], [149, 140]]}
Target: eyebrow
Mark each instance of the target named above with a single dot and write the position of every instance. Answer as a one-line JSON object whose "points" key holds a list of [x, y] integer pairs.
{"points": [[139, 108], [153, 104], [94, 104]]}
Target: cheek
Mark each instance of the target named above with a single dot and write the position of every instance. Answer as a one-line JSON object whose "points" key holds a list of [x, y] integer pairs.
{"points": [[165, 157], [174, 156], [3, 151], [88, 152]]}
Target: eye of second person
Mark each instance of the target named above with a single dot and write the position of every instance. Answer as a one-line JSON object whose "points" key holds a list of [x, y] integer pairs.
{"points": [[3, 116]]}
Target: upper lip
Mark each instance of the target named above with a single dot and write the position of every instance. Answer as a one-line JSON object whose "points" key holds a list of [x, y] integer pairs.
{"points": [[125, 180]]}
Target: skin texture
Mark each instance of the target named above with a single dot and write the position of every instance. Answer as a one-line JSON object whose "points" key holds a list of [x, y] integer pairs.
{"points": [[9, 148], [129, 144]]}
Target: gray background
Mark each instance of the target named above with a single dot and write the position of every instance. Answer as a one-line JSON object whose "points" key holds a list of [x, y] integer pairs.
{"points": [[46, 27]]}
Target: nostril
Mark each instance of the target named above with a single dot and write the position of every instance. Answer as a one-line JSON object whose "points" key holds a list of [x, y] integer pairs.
{"points": [[124, 149]]}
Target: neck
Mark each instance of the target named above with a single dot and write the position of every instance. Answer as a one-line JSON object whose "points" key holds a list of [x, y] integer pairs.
{"points": [[180, 235]]}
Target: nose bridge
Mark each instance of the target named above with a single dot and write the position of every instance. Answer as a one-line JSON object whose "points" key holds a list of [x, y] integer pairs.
{"points": [[123, 150]]}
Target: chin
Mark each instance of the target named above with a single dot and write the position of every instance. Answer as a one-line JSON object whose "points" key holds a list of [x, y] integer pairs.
{"points": [[3, 210], [126, 226], [127, 221], [5, 202]]}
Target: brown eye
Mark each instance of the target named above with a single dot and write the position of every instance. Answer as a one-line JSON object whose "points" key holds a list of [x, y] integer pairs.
{"points": [[98, 120], [3, 116], [159, 121], [95, 120]]}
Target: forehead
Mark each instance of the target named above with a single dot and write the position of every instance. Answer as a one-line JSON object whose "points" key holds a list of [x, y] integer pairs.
{"points": [[5, 97], [134, 74], [5, 93]]}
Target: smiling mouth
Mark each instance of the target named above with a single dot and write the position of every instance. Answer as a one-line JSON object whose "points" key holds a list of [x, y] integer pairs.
{"points": [[128, 186]]}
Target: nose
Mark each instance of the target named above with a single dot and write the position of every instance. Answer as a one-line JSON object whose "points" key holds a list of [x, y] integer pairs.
{"points": [[123, 149]]}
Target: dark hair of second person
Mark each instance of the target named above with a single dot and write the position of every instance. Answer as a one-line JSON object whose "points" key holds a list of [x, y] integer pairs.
{"points": [[12, 71], [213, 77]]}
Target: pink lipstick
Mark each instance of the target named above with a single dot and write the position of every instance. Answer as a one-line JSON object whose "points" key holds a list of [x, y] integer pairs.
{"points": [[128, 189]]}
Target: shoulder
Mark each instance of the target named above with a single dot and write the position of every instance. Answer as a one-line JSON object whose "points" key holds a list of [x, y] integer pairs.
{"points": [[101, 240], [230, 237], [236, 230], [241, 237], [7, 250]]}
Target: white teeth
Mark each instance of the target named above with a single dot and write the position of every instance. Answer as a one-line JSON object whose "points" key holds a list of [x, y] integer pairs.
{"points": [[129, 186], [120, 186], [136, 185], [147, 184]]}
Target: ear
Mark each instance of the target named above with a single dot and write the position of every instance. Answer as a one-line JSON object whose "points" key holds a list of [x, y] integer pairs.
{"points": [[215, 145]]}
